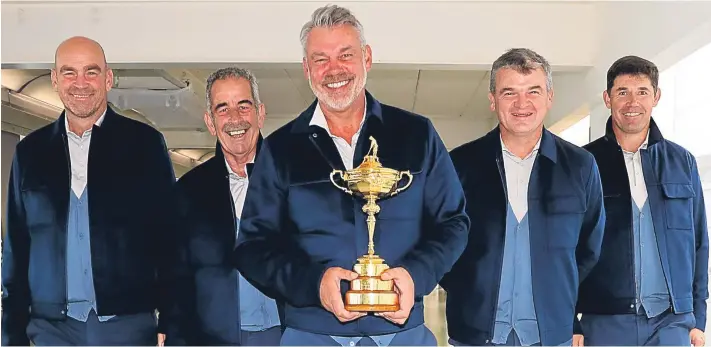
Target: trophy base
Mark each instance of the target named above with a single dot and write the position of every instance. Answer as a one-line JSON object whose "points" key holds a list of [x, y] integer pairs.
{"points": [[368, 293], [364, 301]]}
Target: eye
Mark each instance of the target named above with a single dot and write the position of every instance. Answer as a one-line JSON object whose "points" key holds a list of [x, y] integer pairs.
{"points": [[535, 92], [244, 108], [643, 92]]}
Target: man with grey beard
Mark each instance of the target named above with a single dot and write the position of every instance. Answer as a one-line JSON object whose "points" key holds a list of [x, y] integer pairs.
{"points": [[224, 308], [300, 236]]}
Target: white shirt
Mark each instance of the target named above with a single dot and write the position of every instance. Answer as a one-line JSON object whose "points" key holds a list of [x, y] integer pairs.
{"points": [[344, 149], [238, 188], [633, 162], [518, 174], [79, 155]]}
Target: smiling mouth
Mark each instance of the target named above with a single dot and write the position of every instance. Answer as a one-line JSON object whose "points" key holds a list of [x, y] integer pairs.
{"points": [[81, 96], [237, 133], [522, 114], [336, 85], [632, 114]]}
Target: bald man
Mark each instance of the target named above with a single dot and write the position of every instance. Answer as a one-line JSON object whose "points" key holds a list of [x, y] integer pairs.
{"points": [[88, 243]]}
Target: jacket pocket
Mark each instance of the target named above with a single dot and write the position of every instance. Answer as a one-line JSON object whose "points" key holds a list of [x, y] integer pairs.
{"points": [[564, 216], [678, 205]]}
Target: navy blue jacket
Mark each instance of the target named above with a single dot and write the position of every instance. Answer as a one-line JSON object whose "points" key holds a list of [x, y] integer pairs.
{"points": [[296, 224], [566, 219], [676, 200], [210, 302], [130, 182]]}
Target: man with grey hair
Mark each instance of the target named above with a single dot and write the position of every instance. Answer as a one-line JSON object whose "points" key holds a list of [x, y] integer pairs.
{"points": [[538, 206], [222, 306], [301, 235]]}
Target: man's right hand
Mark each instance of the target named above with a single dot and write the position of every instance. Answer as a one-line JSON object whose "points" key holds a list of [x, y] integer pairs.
{"points": [[578, 340], [330, 292]]}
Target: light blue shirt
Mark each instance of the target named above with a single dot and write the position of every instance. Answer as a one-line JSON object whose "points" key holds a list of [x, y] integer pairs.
{"points": [[515, 309], [257, 311], [651, 286], [81, 297]]}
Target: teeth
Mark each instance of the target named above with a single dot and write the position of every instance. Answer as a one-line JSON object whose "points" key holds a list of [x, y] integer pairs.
{"points": [[337, 85], [632, 114], [236, 132]]}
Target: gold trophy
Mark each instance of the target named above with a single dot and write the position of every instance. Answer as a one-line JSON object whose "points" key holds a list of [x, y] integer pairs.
{"points": [[371, 181]]}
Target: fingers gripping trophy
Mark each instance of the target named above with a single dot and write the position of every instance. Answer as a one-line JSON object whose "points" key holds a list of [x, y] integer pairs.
{"points": [[371, 181]]}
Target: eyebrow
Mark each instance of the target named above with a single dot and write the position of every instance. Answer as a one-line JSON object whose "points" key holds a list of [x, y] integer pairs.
{"points": [[241, 102], [65, 68]]}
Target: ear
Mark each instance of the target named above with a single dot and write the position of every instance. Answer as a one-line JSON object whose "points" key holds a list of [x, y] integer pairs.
{"points": [[262, 115], [109, 79], [55, 84], [368, 57], [606, 98], [551, 95], [492, 102], [210, 123], [657, 96]]}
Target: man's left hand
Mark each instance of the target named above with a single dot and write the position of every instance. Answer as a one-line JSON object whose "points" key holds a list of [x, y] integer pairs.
{"points": [[405, 287], [697, 337]]}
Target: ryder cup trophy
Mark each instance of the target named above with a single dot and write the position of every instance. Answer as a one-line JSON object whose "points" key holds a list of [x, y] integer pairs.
{"points": [[371, 181]]}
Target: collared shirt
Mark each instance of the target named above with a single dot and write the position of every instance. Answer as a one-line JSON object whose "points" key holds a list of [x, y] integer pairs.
{"points": [[347, 153], [518, 174], [80, 281], [344, 149], [633, 162], [257, 311], [79, 155]]}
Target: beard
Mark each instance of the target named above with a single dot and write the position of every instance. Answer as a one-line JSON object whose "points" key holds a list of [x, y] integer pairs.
{"points": [[339, 103]]}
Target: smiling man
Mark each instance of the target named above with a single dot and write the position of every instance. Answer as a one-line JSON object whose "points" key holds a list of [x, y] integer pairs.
{"points": [[301, 236], [88, 244], [226, 309], [651, 283], [535, 202]]}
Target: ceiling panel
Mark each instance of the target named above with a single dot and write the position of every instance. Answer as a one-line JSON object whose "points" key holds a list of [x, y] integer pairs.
{"points": [[446, 93], [393, 87]]}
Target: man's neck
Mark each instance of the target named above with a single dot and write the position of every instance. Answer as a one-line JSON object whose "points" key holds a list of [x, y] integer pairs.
{"points": [[79, 125], [630, 142], [238, 163], [521, 146], [346, 123]]}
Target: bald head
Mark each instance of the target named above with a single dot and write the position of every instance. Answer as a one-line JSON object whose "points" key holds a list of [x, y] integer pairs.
{"points": [[79, 44], [81, 77]]}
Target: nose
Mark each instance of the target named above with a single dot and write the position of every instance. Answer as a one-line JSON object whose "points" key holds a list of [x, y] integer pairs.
{"points": [[80, 81], [521, 100]]}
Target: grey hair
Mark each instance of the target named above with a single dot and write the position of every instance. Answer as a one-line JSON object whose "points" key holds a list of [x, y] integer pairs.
{"points": [[523, 60], [236, 73], [328, 17]]}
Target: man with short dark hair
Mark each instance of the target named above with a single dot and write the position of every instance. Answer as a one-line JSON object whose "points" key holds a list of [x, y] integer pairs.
{"points": [[536, 205], [651, 283]]}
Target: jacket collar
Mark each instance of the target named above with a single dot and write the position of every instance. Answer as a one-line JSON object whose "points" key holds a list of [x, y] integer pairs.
{"points": [[59, 128], [302, 122], [220, 155], [547, 147], [654, 136]]}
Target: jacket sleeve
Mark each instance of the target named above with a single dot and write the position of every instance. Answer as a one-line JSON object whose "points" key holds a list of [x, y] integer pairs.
{"points": [[589, 246], [15, 267], [265, 253], [166, 239], [700, 287], [447, 224]]}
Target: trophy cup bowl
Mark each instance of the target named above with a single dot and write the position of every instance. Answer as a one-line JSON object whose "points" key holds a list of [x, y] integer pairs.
{"points": [[371, 181]]}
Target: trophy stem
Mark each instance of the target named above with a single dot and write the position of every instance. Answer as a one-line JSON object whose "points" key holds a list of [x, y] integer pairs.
{"points": [[371, 209]]}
